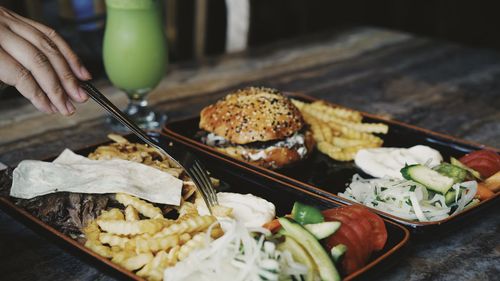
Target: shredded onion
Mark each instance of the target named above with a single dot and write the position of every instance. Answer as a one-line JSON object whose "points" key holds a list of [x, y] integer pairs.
{"points": [[239, 255], [407, 199], [470, 189]]}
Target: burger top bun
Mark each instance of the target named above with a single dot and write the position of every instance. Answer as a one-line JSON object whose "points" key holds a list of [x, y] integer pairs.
{"points": [[252, 114]]}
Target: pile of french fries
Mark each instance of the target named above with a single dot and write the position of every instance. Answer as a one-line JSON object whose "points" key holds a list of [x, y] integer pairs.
{"points": [[147, 246], [137, 152], [139, 238], [339, 132]]}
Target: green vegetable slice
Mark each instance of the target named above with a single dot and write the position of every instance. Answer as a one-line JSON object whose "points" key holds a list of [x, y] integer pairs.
{"points": [[458, 174], [305, 214], [338, 252], [474, 173], [300, 255], [324, 263]]}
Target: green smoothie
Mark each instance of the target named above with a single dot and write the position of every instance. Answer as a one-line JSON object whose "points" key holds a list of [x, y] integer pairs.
{"points": [[135, 50]]}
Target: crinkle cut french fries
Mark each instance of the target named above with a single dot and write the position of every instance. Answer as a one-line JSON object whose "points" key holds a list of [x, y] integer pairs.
{"points": [[339, 132], [139, 238], [149, 245]]}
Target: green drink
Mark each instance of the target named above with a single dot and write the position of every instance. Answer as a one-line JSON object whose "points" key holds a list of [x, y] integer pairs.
{"points": [[135, 54]]}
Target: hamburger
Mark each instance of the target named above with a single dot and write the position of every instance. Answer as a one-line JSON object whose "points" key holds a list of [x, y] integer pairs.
{"points": [[258, 125]]}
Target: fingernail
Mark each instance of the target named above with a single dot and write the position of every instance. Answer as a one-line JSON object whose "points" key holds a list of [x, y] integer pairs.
{"points": [[70, 107], [85, 73], [83, 95]]}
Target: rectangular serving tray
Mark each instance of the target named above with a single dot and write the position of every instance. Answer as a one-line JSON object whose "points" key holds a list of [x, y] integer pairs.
{"points": [[233, 179], [326, 177]]}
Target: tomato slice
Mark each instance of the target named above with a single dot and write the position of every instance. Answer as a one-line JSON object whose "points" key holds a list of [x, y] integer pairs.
{"points": [[351, 233], [358, 234], [350, 262], [484, 166], [362, 227], [379, 232], [486, 162], [488, 154]]}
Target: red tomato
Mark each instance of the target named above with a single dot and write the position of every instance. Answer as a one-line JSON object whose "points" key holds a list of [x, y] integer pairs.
{"points": [[362, 227], [350, 262], [492, 155], [361, 231], [379, 232], [354, 223], [349, 226], [483, 166], [486, 162]]}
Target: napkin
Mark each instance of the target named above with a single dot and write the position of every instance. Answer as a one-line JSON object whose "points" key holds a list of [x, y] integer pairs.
{"points": [[74, 173]]}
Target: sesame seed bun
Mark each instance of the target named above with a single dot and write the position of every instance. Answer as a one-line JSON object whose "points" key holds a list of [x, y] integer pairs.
{"points": [[252, 115]]}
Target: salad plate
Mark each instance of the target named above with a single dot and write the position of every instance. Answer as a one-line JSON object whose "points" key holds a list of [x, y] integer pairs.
{"points": [[233, 178], [326, 177]]}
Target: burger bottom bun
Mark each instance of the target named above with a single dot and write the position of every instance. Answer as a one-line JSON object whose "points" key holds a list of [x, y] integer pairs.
{"points": [[270, 157]]}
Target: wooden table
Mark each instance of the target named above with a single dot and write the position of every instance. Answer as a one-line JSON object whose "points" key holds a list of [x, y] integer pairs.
{"points": [[428, 83]]}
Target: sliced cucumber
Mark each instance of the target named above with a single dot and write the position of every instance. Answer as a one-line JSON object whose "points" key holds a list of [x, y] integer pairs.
{"points": [[338, 252], [456, 173], [300, 255], [281, 232], [305, 214], [450, 196], [457, 163], [429, 178], [324, 263], [323, 229]]}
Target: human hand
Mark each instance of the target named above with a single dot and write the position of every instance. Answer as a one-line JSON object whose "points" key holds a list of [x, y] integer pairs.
{"points": [[40, 64]]}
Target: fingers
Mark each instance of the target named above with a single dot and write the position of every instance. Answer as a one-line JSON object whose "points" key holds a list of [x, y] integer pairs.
{"points": [[39, 66], [51, 64], [57, 60], [15, 74], [64, 48]]}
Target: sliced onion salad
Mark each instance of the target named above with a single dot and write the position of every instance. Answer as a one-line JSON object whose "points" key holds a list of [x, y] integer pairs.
{"points": [[240, 254], [408, 199]]}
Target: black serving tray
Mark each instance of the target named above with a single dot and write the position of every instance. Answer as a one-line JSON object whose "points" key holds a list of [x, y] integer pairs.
{"points": [[326, 177], [233, 179]]}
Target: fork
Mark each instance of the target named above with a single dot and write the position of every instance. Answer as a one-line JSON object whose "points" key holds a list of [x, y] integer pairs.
{"points": [[193, 167]]}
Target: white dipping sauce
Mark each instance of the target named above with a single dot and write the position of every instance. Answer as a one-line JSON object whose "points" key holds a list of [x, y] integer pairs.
{"points": [[248, 209], [388, 161]]}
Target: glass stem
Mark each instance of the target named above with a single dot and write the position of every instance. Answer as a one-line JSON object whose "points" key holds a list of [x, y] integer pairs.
{"points": [[139, 111], [137, 102]]}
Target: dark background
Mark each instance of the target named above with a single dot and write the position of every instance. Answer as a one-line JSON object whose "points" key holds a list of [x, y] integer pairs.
{"points": [[471, 23]]}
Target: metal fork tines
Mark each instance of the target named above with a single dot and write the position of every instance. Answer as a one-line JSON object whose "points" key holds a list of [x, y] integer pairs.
{"points": [[183, 158], [204, 183]]}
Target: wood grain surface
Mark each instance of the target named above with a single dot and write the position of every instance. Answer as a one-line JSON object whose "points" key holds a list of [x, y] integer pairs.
{"points": [[428, 83]]}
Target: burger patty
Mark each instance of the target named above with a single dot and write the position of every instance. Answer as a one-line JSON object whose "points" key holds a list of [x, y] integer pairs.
{"points": [[295, 141]]}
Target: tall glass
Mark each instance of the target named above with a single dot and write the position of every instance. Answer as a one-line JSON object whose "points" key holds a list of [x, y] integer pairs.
{"points": [[135, 55]]}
